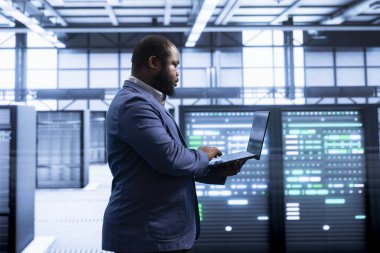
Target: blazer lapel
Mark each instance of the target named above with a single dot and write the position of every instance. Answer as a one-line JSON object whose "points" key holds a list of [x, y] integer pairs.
{"points": [[178, 131], [156, 104]]}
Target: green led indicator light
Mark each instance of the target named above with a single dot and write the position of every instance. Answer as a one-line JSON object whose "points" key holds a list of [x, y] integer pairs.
{"points": [[195, 137], [200, 209], [195, 143]]}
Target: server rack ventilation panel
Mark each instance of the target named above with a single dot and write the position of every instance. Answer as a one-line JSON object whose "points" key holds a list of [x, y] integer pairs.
{"points": [[62, 149], [98, 137], [17, 177]]}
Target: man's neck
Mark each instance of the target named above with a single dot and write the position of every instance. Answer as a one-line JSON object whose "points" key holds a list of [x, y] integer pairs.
{"points": [[156, 93], [144, 77]]}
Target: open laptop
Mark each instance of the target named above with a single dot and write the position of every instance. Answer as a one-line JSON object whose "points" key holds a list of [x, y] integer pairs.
{"points": [[255, 143]]}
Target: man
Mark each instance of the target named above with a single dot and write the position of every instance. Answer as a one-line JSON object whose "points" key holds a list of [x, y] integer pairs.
{"points": [[153, 206]]}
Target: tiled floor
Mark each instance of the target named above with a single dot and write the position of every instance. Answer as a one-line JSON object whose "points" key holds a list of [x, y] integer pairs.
{"points": [[74, 216]]}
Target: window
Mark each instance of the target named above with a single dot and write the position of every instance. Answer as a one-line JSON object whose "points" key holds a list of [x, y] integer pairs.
{"points": [[42, 68], [264, 59], [7, 68], [72, 69]]}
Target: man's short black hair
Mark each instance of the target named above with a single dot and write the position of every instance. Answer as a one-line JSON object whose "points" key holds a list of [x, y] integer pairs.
{"points": [[151, 45]]}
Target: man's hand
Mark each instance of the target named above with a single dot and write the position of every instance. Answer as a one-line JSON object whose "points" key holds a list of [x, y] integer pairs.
{"points": [[230, 169], [211, 152]]}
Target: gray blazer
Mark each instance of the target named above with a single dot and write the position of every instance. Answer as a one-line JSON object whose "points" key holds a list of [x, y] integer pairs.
{"points": [[153, 204]]}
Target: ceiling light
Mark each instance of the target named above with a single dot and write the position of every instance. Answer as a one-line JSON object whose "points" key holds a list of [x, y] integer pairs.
{"points": [[10, 10], [203, 17]]}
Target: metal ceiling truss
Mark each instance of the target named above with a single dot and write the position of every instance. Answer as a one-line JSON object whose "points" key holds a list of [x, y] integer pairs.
{"points": [[227, 13], [345, 13], [285, 15], [168, 11], [169, 16], [184, 29]]}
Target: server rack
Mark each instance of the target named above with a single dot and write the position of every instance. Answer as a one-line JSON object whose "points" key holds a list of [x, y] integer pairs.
{"points": [[373, 176], [62, 149], [98, 137], [325, 177], [235, 216], [17, 176], [362, 229]]}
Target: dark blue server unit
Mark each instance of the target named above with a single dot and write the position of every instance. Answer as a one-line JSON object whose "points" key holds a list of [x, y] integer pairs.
{"points": [[325, 180], [98, 137], [17, 177], [315, 189], [235, 216], [62, 149]]}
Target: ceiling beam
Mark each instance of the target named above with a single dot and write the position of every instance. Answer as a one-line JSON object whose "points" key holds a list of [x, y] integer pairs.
{"points": [[226, 10], [6, 19], [284, 15], [182, 29], [111, 15], [231, 13], [345, 13], [168, 12], [376, 21], [46, 5]]}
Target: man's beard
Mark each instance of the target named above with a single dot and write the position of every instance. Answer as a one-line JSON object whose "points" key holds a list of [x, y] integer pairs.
{"points": [[163, 83]]}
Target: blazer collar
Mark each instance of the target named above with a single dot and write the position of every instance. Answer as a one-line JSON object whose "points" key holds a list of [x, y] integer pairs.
{"points": [[147, 88]]}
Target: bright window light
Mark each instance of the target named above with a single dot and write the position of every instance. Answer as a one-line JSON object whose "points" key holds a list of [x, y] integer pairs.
{"points": [[7, 39]]}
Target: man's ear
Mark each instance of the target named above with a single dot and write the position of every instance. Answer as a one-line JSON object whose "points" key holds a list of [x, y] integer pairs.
{"points": [[153, 62]]}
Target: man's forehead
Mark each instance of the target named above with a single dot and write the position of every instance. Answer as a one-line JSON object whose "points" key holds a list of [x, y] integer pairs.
{"points": [[174, 51]]}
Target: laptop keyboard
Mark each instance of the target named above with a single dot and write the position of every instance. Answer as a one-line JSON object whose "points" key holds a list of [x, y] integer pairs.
{"points": [[230, 157], [235, 156]]}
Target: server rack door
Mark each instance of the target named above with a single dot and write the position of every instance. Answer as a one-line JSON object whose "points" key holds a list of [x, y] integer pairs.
{"points": [[325, 179], [234, 216], [62, 149], [17, 177], [98, 137]]}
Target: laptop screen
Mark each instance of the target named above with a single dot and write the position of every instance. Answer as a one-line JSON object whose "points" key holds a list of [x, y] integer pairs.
{"points": [[256, 138]]}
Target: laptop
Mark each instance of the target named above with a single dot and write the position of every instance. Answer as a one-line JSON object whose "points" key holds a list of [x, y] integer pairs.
{"points": [[255, 143]]}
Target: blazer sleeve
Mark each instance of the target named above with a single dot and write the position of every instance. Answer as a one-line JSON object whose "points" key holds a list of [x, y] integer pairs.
{"points": [[141, 127]]}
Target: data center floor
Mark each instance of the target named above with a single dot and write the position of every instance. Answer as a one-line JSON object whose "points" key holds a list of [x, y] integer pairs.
{"points": [[74, 216]]}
